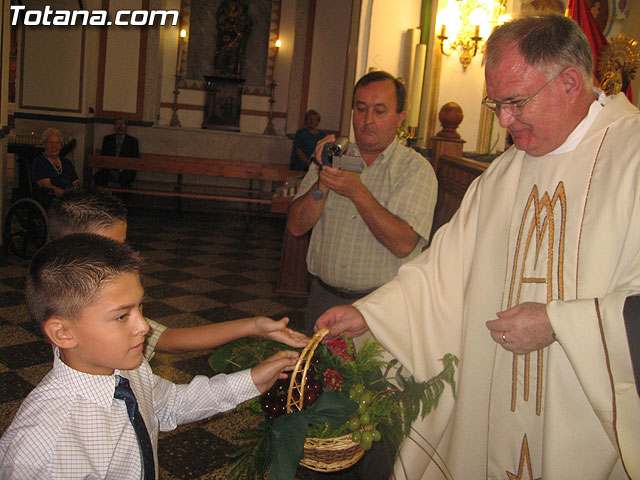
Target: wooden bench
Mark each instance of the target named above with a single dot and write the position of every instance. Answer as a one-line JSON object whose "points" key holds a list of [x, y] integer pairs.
{"points": [[208, 167]]}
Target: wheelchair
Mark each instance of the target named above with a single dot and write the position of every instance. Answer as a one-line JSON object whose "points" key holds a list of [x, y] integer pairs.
{"points": [[25, 226]]}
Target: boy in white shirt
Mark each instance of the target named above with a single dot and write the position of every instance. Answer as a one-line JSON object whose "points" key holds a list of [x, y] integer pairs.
{"points": [[84, 291], [88, 210]]}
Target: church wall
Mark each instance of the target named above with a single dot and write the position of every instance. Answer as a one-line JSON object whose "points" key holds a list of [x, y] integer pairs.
{"points": [[281, 76], [67, 74], [121, 64], [122, 70], [50, 72]]}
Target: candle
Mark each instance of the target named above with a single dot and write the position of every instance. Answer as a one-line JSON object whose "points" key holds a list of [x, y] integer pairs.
{"points": [[413, 39], [181, 35], [416, 85]]}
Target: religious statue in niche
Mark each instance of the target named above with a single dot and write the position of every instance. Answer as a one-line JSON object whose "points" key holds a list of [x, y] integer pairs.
{"points": [[234, 26], [200, 50]]}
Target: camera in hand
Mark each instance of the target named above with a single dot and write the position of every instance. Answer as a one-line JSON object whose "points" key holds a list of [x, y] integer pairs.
{"points": [[333, 156]]}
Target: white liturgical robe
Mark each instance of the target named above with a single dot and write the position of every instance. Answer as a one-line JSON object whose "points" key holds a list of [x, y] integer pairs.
{"points": [[561, 229]]}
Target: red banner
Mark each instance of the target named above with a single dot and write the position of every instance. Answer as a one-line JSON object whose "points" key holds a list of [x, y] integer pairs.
{"points": [[579, 12]]}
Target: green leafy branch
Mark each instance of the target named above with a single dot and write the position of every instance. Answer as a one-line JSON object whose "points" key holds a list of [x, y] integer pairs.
{"points": [[250, 459], [397, 402]]}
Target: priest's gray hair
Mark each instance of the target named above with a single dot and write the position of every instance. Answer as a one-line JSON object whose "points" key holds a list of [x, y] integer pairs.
{"points": [[548, 42]]}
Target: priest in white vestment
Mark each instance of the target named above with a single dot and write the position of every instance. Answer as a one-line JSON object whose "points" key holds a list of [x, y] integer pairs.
{"points": [[527, 283]]}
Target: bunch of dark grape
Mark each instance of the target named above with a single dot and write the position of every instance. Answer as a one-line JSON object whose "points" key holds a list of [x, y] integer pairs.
{"points": [[274, 401], [360, 422]]}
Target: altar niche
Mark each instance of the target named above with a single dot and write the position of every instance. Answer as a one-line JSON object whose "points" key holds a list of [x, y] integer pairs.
{"points": [[222, 103], [202, 17]]}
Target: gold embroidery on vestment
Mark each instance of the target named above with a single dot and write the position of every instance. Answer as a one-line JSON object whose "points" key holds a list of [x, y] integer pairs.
{"points": [[614, 406], [534, 230], [525, 459]]}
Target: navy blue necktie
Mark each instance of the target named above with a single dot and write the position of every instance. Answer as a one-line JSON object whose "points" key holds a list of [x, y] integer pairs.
{"points": [[124, 392]]}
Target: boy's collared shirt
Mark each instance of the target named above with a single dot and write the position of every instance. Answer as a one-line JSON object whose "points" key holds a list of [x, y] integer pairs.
{"points": [[70, 426], [155, 330]]}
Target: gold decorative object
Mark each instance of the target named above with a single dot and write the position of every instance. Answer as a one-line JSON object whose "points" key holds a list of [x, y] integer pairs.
{"points": [[469, 23], [618, 63]]}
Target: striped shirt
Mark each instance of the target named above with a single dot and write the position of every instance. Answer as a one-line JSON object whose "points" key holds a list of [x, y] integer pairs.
{"points": [[343, 252], [71, 427], [155, 330]]}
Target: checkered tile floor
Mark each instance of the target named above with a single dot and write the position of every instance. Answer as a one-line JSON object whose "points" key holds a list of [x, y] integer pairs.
{"points": [[199, 269]]}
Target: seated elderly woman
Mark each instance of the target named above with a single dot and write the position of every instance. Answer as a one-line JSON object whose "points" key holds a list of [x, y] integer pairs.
{"points": [[49, 171]]}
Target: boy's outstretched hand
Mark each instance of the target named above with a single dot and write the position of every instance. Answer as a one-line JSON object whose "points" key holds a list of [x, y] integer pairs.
{"points": [[277, 330], [265, 374]]}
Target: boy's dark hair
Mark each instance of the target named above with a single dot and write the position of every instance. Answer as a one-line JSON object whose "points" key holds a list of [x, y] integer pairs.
{"points": [[81, 210], [68, 273], [381, 76]]}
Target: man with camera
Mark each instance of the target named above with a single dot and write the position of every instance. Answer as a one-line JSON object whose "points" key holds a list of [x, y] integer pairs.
{"points": [[374, 212]]}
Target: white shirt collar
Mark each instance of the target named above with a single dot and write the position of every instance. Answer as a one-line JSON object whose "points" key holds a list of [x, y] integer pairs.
{"points": [[574, 139], [97, 388]]}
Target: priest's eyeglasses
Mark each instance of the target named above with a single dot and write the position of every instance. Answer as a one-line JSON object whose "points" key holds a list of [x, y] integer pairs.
{"points": [[513, 107]]}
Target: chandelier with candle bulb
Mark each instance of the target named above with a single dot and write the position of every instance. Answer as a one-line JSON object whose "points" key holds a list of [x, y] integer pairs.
{"points": [[465, 25]]}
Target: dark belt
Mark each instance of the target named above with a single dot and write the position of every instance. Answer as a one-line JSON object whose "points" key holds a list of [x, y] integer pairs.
{"points": [[343, 292]]}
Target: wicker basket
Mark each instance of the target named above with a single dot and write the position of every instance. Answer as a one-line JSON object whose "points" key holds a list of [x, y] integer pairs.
{"points": [[320, 454]]}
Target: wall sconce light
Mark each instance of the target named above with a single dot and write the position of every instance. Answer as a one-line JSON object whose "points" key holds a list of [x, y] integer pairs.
{"points": [[469, 23]]}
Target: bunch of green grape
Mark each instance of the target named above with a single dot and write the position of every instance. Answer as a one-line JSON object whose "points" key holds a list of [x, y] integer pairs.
{"points": [[359, 423]]}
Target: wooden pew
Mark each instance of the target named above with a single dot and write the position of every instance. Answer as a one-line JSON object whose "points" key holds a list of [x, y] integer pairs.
{"points": [[454, 174], [292, 274], [183, 165]]}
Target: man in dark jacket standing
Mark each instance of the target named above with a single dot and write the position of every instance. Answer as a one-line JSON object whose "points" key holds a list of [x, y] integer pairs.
{"points": [[118, 144]]}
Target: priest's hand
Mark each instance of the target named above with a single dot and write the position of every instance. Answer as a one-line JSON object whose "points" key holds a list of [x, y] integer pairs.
{"points": [[342, 319], [522, 329]]}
